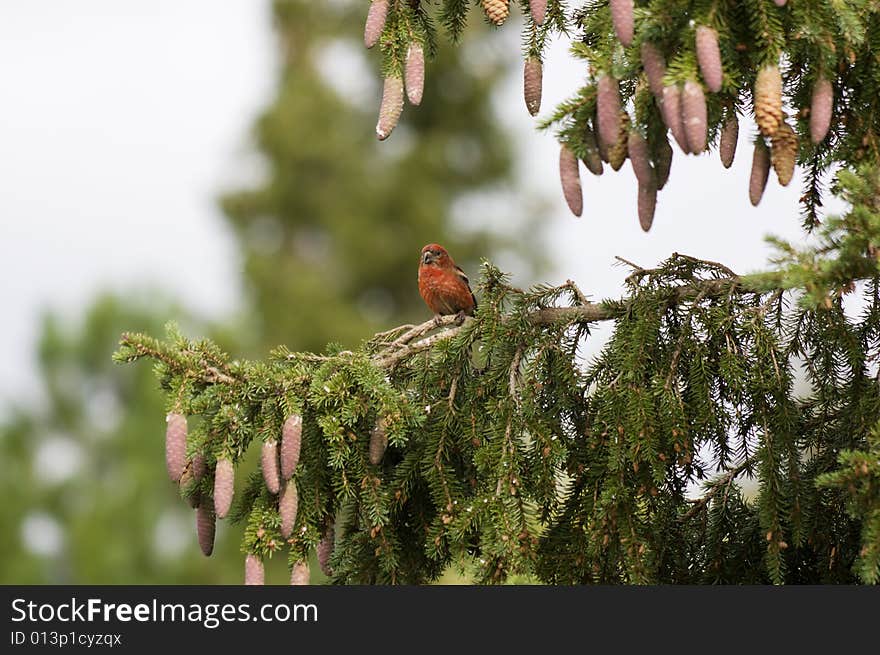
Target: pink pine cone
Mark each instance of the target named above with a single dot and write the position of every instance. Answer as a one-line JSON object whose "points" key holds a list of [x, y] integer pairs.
{"points": [[175, 445], [299, 574], [205, 528], [637, 148], [647, 203], [693, 114], [569, 175], [415, 73], [287, 506], [291, 442], [780, 3], [375, 24], [670, 107], [622, 18], [254, 573], [729, 137], [820, 109], [538, 9], [655, 68], [198, 467], [760, 172], [663, 163], [709, 57], [269, 464], [532, 84], [608, 110], [224, 482], [325, 549], [391, 107]]}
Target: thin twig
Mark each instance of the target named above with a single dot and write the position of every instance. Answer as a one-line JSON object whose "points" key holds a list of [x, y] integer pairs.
{"points": [[724, 481]]}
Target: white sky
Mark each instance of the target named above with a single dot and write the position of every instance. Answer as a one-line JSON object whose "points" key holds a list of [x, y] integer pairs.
{"points": [[121, 122]]}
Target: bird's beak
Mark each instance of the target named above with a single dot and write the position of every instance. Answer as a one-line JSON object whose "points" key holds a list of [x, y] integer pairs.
{"points": [[427, 258]]}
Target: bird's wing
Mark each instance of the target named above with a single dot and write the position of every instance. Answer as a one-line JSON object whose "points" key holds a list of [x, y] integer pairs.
{"points": [[463, 276]]}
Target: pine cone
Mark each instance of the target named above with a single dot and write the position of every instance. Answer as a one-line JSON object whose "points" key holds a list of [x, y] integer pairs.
{"points": [[647, 204], [325, 549], [287, 506], [729, 136], [415, 73], [663, 163], [375, 24], [497, 11], [538, 10], [291, 442], [670, 108], [637, 148], [205, 527], [532, 82], [693, 115], [254, 574], [391, 107], [622, 18], [299, 574], [269, 464], [820, 109], [655, 68], [175, 445], [224, 483], [570, 177], [608, 110], [378, 442], [760, 171], [783, 152], [768, 99], [187, 479], [592, 159], [779, 3], [709, 57], [198, 467], [618, 152]]}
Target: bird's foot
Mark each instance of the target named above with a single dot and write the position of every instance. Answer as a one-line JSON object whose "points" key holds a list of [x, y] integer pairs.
{"points": [[459, 318], [437, 320]]}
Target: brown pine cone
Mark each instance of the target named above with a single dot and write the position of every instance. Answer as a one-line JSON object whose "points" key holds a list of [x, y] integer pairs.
{"points": [[768, 99], [783, 152], [205, 527], [378, 442], [655, 68], [570, 177], [637, 148], [497, 11], [670, 108], [617, 153], [663, 163], [760, 171], [729, 136], [532, 83], [647, 204], [592, 159]]}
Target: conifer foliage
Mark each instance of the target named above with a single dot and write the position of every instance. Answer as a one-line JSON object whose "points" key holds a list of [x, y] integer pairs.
{"points": [[689, 68], [683, 453]]}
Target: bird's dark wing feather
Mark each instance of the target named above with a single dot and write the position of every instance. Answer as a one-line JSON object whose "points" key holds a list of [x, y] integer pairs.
{"points": [[464, 277]]}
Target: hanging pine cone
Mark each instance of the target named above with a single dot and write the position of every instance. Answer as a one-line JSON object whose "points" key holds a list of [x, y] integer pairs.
{"points": [[709, 57], [269, 464], [205, 527], [592, 159], [287, 506], [622, 19], [291, 442], [378, 442], [538, 10], [325, 549], [729, 136], [175, 445], [254, 573], [647, 203], [783, 152], [186, 479], [670, 108], [655, 68], [224, 482], [299, 574], [820, 109], [617, 153], [637, 148], [414, 73], [779, 3], [570, 177], [375, 24], [198, 467], [532, 83], [662, 162], [608, 110], [693, 115], [760, 171], [497, 11], [768, 99], [391, 107]]}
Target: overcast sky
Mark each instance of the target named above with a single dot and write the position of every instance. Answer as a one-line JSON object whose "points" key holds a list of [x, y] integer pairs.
{"points": [[122, 120]]}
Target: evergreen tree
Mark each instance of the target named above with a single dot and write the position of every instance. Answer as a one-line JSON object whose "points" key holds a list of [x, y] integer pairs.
{"points": [[490, 442]]}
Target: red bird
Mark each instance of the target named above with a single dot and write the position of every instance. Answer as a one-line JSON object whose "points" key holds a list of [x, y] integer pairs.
{"points": [[443, 285]]}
